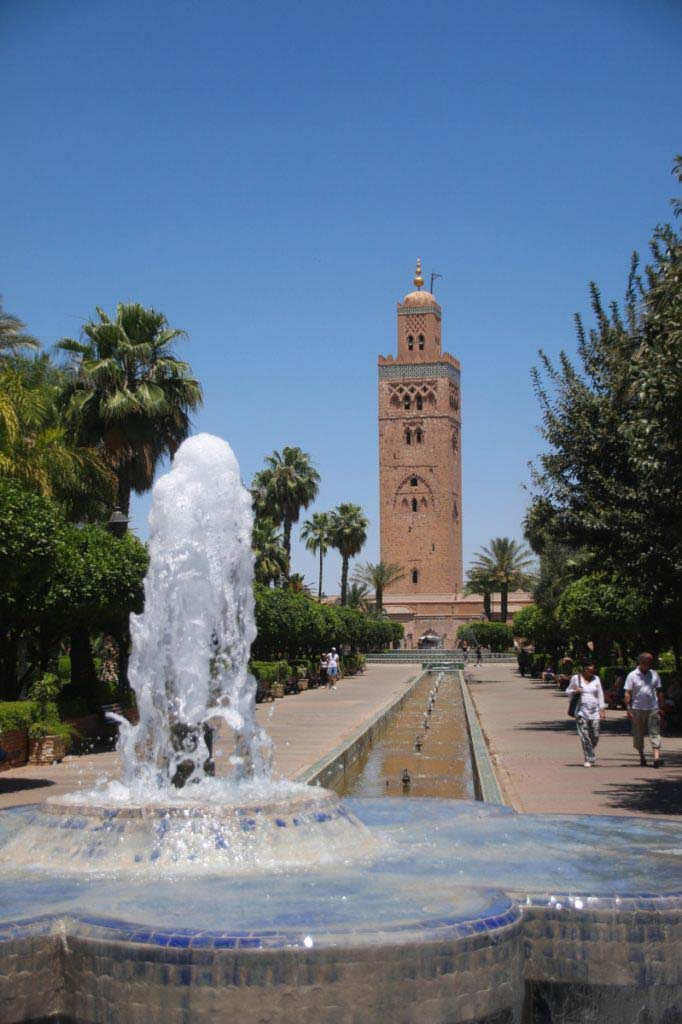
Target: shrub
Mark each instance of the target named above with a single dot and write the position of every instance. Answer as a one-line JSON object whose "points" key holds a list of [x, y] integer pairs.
{"points": [[607, 674], [497, 636], [16, 714]]}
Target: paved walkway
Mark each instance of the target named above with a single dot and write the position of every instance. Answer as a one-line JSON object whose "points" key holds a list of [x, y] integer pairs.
{"points": [[538, 755], [303, 727]]}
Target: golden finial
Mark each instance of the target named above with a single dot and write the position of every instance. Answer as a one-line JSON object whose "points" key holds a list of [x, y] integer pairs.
{"points": [[418, 279]]}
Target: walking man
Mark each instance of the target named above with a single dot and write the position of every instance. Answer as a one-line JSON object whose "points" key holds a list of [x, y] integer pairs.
{"points": [[644, 706]]}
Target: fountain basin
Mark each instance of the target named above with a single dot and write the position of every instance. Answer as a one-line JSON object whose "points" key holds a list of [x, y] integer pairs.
{"points": [[72, 837], [469, 912]]}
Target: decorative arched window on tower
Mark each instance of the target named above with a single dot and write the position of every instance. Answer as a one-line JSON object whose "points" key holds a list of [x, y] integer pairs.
{"points": [[406, 402], [410, 342], [419, 402], [414, 481], [418, 436], [408, 437], [415, 575], [415, 504], [421, 342]]}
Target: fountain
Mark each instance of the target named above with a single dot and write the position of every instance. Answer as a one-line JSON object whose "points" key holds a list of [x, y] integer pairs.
{"points": [[180, 896]]}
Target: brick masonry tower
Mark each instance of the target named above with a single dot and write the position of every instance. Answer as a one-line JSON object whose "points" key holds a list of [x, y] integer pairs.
{"points": [[420, 469]]}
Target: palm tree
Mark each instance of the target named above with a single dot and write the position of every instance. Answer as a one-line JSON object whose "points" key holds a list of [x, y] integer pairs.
{"points": [[298, 584], [288, 484], [379, 576], [349, 533], [38, 451], [317, 534], [480, 581], [13, 337], [507, 564], [270, 559], [131, 396], [358, 597]]}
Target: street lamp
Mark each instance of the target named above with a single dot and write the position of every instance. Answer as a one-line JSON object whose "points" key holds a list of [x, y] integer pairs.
{"points": [[118, 523]]}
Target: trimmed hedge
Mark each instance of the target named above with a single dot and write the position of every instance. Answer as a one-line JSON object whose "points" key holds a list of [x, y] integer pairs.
{"points": [[272, 671]]}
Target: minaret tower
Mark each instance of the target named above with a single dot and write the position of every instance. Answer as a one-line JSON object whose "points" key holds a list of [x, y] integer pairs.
{"points": [[420, 459]]}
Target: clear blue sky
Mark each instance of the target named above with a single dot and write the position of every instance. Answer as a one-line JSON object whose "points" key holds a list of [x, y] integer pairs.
{"points": [[266, 174]]}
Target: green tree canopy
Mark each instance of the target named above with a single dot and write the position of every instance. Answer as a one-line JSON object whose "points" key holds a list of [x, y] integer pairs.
{"points": [[38, 450], [270, 556], [379, 576], [130, 396], [317, 534], [288, 484], [14, 339], [601, 609], [495, 635], [349, 532], [610, 482], [507, 565]]}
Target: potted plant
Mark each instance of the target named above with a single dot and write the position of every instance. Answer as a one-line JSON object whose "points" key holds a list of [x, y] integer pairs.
{"points": [[47, 738]]}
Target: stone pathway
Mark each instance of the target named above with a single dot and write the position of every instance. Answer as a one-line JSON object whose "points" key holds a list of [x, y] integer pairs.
{"points": [[303, 727], [538, 755]]}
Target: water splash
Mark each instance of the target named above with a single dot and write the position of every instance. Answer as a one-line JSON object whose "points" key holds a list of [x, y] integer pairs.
{"points": [[190, 646]]}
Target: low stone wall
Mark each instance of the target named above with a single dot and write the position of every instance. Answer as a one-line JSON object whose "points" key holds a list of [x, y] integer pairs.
{"points": [[15, 745]]}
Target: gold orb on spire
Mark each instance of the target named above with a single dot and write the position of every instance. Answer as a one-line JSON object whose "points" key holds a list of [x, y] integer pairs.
{"points": [[418, 279]]}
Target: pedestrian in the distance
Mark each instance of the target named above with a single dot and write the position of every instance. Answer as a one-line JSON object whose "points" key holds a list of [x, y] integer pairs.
{"points": [[644, 706], [332, 668], [479, 659], [591, 709], [323, 669]]}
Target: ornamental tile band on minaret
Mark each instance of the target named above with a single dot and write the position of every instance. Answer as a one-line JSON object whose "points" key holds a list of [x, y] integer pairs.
{"points": [[420, 467]]}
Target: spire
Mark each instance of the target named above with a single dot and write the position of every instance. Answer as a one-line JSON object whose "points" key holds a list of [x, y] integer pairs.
{"points": [[418, 279]]}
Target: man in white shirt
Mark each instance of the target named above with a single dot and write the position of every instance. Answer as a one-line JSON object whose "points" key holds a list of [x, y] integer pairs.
{"points": [[644, 706]]}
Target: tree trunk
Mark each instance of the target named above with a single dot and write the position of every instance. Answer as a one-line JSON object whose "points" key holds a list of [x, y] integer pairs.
{"points": [[286, 544], [123, 688], [504, 597], [344, 579], [83, 674], [379, 600], [319, 589], [9, 683], [487, 606], [123, 496]]}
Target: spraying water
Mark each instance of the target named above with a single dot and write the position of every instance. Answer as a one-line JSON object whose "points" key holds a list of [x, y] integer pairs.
{"points": [[191, 644]]}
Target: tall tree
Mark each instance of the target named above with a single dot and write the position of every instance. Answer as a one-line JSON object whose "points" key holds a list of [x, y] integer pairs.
{"points": [[358, 597], [480, 581], [130, 395], [14, 339], [349, 531], [36, 447], [317, 534], [610, 482], [270, 557], [508, 566], [379, 576], [288, 484]]}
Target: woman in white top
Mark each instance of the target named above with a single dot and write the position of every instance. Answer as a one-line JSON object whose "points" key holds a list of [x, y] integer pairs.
{"points": [[590, 711]]}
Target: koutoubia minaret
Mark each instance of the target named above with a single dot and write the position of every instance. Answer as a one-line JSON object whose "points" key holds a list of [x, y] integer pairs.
{"points": [[420, 470]]}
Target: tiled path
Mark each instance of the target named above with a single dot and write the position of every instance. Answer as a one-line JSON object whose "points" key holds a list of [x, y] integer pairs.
{"points": [[538, 755], [303, 727]]}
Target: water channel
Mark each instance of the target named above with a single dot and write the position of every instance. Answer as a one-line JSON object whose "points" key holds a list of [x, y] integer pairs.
{"points": [[432, 747]]}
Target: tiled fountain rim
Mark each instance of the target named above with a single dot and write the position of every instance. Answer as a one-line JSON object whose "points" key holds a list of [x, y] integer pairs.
{"points": [[503, 913], [296, 803]]}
